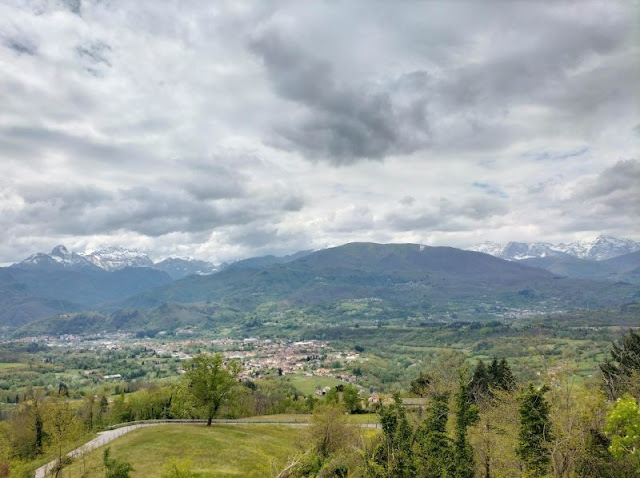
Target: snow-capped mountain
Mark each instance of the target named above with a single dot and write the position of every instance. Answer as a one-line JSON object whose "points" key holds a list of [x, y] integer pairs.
{"points": [[178, 267], [59, 258], [114, 258], [598, 249]]}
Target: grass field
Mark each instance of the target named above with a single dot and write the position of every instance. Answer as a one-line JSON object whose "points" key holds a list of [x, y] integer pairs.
{"points": [[309, 385], [259, 450], [12, 365]]}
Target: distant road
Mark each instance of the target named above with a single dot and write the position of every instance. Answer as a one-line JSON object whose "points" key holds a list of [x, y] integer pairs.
{"points": [[118, 430]]}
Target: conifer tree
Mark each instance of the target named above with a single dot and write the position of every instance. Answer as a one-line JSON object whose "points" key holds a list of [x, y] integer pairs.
{"points": [[479, 386], [624, 362], [534, 431], [507, 380], [466, 415], [393, 457], [433, 448]]}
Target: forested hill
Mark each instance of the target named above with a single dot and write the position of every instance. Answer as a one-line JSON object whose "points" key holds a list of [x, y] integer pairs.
{"points": [[406, 276]]}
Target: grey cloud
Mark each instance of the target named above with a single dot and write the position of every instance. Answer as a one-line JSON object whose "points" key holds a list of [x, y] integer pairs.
{"points": [[94, 55], [447, 215], [344, 123], [34, 142], [21, 46], [622, 179], [609, 201], [466, 103], [84, 210]]}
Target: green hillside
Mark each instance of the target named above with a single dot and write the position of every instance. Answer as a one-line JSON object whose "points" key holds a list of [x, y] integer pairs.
{"points": [[220, 451]]}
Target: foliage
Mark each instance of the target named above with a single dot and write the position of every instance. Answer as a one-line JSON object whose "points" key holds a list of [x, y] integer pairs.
{"points": [[624, 362], [466, 416], [535, 433], [115, 468], [623, 424], [497, 376], [433, 448], [211, 381], [393, 455]]}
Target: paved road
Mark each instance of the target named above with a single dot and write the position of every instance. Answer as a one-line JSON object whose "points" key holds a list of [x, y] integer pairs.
{"points": [[102, 439], [105, 437]]}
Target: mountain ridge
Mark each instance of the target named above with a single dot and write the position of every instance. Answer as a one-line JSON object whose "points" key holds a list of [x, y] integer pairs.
{"points": [[599, 249]]}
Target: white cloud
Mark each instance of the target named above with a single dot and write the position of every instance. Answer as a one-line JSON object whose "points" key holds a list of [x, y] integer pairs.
{"points": [[238, 128]]}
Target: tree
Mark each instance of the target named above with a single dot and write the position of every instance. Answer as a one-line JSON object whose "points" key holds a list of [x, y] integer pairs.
{"points": [[115, 468], [420, 385], [480, 381], [623, 365], [535, 432], [432, 447], [329, 431], [392, 457], [351, 399], [623, 424], [210, 381], [62, 427], [495, 436], [466, 416]]}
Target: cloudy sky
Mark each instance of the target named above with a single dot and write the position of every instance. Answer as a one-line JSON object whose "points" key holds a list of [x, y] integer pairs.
{"points": [[222, 130]]}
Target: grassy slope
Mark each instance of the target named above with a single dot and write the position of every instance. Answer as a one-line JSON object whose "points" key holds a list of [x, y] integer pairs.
{"points": [[218, 451]]}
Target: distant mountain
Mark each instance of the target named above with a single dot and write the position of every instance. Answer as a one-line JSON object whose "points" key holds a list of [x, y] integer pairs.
{"points": [[108, 259], [32, 293], [179, 268], [402, 277], [599, 249], [58, 259], [114, 258], [269, 260]]}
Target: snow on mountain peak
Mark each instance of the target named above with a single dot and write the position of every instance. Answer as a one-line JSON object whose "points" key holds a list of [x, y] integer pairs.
{"points": [[112, 258], [598, 249]]}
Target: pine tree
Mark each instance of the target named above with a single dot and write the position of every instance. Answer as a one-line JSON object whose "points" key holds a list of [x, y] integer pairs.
{"points": [[507, 380], [466, 415], [393, 457], [479, 386], [433, 450], [624, 361], [534, 431]]}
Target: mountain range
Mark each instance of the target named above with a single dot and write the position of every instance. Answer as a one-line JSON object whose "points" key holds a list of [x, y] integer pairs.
{"points": [[357, 281], [599, 249], [383, 281], [112, 258]]}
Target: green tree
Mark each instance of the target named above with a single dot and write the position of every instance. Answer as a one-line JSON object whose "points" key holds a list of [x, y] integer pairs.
{"points": [[392, 457], [329, 431], [480, 381], [623, 424], [62, 427], [432, 447], [466, 416], [351, 399], [115, 468], [535, 433], [623, 365], [420, 385], [210, 381]]}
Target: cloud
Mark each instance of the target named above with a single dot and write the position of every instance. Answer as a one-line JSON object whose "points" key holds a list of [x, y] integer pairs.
{"points": [[232, 129]]}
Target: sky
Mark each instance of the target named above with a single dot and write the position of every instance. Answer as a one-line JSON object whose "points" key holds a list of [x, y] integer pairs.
{"points": [[223, 130]]}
